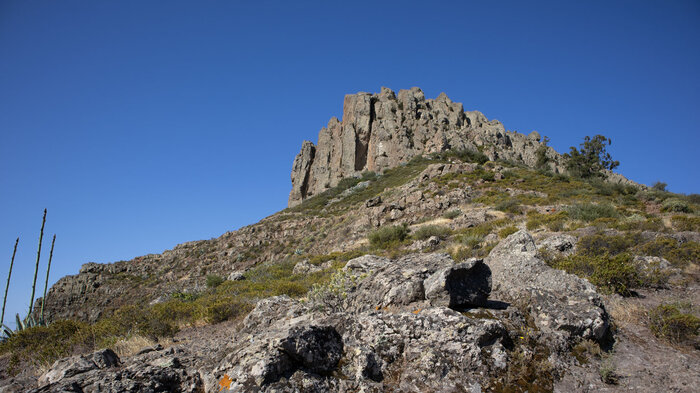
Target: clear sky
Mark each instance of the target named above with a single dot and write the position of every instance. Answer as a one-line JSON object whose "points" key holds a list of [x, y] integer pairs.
{"points": [[144, 124]]}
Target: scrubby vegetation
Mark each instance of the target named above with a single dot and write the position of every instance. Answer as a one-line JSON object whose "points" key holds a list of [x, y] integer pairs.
{"points": [[452, 214], [427, 231], [509, 206], [679, 254], [387, 236], [674, 322], [686, 223], [507, 231], [675, 205], [607, 260], [612, 273], [591, 211], [553, 221]]}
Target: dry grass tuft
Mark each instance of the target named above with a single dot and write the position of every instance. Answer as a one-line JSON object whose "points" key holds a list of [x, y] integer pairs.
{"points": [[626, 312], [132, 345]]}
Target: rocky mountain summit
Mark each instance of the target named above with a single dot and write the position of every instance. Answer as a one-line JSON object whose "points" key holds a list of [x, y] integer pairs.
{"points": [[425, 249], [383, 130]]}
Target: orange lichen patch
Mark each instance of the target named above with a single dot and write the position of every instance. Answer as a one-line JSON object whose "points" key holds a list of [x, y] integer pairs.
{"points": [[417, 311], [225, 382]]}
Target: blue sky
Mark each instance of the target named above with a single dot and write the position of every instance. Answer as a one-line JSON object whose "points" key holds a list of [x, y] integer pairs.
{"points": [[141, 125]]}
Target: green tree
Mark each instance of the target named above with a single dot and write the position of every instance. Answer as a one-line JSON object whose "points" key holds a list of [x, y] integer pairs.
{"points": [[592, 159], [541, 154]]}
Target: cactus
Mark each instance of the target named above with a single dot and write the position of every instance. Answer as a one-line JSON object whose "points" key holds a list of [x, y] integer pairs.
{"points": [[36, 269], [46, 283], [4, 300]]}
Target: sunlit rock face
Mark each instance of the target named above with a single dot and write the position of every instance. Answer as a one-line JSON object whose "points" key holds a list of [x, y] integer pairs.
{"points": [[383, 130]]}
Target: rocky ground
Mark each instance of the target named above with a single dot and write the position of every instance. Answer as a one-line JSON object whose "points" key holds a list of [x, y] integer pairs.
{"points": [[418, 323]]}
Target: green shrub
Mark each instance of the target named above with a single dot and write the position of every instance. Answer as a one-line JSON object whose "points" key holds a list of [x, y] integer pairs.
{"points": [[185, 296], [607, 188], [335, 256], [226, 308], [608, 372], [427, 231], [674, 322], [638, 222], [686, 223], [452, 214], [591, 211], [42, 345], [678, 254], [329, 296], [464, 155], [554, 221], [387, 236], [488, 176], [133, 319], [214, 280], [541, 154], [611, 273], [675, 205], [473, 241], [659, 186], [600, 244], [507, 231], [509, 206]]}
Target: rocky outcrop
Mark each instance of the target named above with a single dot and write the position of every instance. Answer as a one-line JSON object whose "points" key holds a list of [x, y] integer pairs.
{"points": [[152, 371], [419, 323], [561, 303], [391, 330], [380, 131]]}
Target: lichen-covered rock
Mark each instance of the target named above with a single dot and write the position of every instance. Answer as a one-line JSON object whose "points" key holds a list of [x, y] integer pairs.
{"points": [[654, 271], [562, 304], [72, 366], [560, 244], [317, 348], [154, 371], [384, 283], [428, 243], [372, 351]]}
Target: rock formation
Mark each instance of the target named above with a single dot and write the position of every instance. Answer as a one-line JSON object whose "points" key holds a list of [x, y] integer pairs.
{"points": [[381, 131]]}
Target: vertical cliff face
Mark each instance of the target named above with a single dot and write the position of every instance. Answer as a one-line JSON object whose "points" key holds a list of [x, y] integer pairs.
{"points": [[380, 131]]}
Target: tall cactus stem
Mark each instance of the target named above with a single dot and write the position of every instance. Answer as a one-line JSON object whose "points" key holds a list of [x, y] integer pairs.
{"points": [[36, 269], [46, 283], [4, 300]]}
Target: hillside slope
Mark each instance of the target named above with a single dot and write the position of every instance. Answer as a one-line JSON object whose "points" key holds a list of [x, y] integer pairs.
{"points": [[489, 273]]}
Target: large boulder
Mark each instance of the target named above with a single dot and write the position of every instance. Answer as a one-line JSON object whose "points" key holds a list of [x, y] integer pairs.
{"points": [[415, 279], [560, 303], [72, 366], [152, 371], [371, 351]]}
